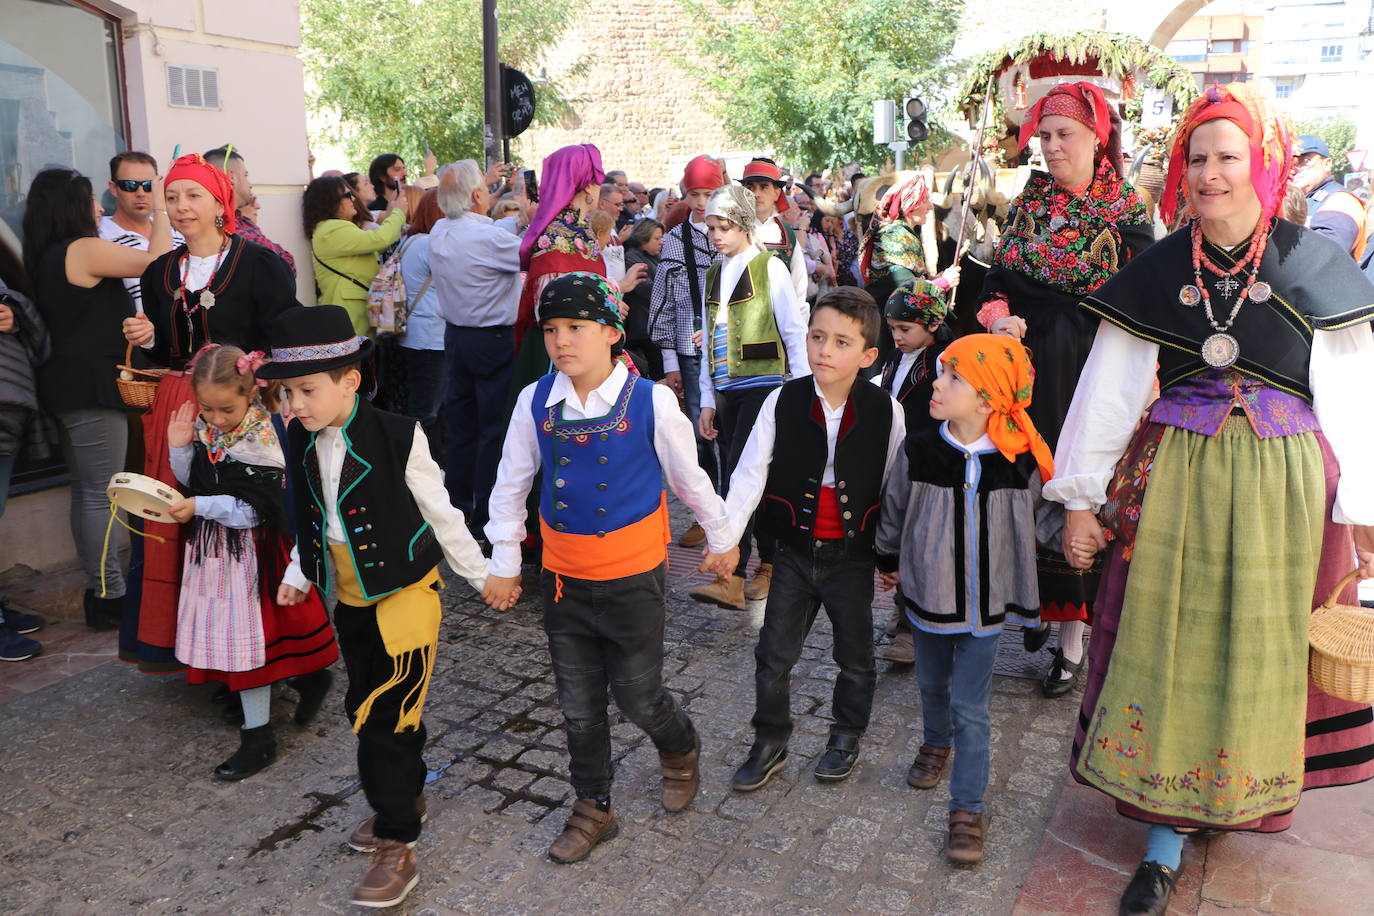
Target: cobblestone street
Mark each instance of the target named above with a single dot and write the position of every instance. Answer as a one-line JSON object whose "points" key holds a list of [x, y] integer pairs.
{"points": [[108, 805]]}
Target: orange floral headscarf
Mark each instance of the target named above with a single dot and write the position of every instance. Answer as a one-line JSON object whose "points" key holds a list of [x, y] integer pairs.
{"points": [[999, 368]]}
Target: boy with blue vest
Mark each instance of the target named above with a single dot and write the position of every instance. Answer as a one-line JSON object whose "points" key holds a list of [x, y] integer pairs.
{"points": [[754, 337], [820, 491], [604, 441], [368, 498]]}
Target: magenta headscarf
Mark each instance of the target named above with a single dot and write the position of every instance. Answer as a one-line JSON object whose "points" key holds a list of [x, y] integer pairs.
{"points": [[566, 171]]}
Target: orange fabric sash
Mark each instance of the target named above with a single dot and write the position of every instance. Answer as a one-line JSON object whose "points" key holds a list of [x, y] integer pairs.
{"points": [[628, 551]]}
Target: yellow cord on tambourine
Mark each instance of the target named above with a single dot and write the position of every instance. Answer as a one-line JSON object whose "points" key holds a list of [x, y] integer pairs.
{"points": [[105, 548]]}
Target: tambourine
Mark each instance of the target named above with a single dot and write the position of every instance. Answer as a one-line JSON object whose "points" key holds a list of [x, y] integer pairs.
{"points": [[145, 497]]}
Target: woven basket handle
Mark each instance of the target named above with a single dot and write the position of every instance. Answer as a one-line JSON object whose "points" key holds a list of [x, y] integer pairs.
{"points": [[1331, 599], [129, 354]]}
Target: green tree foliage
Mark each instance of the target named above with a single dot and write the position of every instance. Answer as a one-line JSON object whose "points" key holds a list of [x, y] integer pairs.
{"points": [[387, 75], [800, 77], [1339, 134]]}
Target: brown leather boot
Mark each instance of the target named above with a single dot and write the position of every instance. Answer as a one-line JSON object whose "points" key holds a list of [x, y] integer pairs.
{"points": [[389, 878], [363, 839], [928, 766], [758, 586], [586, 827], [902, 649], [965, 845], [726, 592], [694, 536], [681, 777]]}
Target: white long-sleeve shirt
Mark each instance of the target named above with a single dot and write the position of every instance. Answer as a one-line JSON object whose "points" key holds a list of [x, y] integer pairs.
{"points": [[787, 316], [770, 232], [674, 444], [1114, 390], [751, 474], [426, 485]]}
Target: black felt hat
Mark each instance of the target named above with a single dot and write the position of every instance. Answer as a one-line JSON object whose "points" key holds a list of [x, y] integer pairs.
{"points": [[313, 338]]}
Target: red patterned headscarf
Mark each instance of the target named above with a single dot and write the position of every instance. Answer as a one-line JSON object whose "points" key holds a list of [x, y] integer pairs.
{"points": [[212, 179], [1085, 103], [902, 200], [1271, 146]]}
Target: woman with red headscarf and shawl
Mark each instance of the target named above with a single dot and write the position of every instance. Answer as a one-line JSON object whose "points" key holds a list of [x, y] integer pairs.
{"points": [[215, 288], [1068, 232], [1234, 505], [892, 251]]}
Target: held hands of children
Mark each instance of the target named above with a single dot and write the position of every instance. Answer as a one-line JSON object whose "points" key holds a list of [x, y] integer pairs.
{"points": [[183, 511], [887, 581], [288, 595], [1083, 538], [181, 429], [501, 592], [719, 564]]}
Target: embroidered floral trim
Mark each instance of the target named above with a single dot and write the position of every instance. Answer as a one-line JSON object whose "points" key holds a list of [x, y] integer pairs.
{"points": [[568, 233], [581, 431]]}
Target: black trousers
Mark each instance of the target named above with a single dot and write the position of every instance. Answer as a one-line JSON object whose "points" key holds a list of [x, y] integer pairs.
{"points": [[736, 412], [390, 764], [802, 583], [480, 364], [610, 635]]}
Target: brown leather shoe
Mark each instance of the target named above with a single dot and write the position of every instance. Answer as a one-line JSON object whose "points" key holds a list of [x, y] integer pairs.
{"points": [[681, 777], [901, 651], [389, 878], [965, 845], [758, 586], [586, 827], [364, 840], [694, 536], [928, 766], [726, 592]]}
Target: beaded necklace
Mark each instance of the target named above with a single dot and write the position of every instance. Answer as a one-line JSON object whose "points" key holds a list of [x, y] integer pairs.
{"points": [[207, 298], [1221, 350]]}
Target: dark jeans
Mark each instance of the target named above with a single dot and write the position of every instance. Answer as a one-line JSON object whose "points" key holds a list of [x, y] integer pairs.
{"points": [[802, 582], [736, 412], [480, 362], [390, 764], [425, 376], [610, 634]]}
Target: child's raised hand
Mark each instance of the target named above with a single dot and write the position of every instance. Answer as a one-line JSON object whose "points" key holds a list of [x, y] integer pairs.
{"points": [[181, 429], [719, 564], [887, 581], [501, 592], [288, 595], [183, 511]]}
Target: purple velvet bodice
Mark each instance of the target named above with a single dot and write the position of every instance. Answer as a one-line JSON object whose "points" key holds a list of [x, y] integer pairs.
{"points": [[1201, 403]]}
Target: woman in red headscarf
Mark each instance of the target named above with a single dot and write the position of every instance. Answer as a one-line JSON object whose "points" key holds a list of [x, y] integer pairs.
{"points": [[1234, 506], [1069, 231], [216, 288]]}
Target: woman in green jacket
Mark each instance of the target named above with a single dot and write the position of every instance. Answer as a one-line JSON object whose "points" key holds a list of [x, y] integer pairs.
{"points": [[345, 255]]}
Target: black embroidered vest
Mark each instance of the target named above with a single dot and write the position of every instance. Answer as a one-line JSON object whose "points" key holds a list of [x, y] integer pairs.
{"points": [[391, 544], [792, 492]]}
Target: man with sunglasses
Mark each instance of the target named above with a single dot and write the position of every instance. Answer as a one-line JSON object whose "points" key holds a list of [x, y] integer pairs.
{"points": [[131, 184]]}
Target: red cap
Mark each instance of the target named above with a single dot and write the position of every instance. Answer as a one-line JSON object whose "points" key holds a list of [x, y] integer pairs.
{"points": [[702, 172], [759, 168]]}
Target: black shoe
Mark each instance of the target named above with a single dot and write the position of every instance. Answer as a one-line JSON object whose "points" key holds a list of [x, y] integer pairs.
{"points": [[257, 750], [1150, 890], [1055, 684], [102, 613], [1033, 639], [18, 621], [312, 687], [841, 754], [764, 760]]}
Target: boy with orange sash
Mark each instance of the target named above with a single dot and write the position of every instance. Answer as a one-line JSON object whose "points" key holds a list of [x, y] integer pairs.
{"points": [[604, 440]]}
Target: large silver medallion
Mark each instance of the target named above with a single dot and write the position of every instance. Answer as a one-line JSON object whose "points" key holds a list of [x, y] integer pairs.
{"points": [[1260, 291], [1190, 295], [207, 299], [1220, 351]]}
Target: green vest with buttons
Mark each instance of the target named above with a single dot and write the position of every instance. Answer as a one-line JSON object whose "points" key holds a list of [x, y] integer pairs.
{"points": [[753, 344]]}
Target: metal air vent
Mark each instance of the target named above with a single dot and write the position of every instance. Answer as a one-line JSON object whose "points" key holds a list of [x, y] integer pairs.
{"points": [[192, 87]]}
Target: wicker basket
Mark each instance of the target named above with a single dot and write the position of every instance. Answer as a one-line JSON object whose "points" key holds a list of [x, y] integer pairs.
{"points": [[135, 391], [1341, 637]]}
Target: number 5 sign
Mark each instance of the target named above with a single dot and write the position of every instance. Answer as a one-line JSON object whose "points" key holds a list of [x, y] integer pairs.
{"points": [[1157, 110]]}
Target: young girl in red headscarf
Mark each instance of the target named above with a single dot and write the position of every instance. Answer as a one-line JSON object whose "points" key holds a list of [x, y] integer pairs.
{"points": [[215, 288]]}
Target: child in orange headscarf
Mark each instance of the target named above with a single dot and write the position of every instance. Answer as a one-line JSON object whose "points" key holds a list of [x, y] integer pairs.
{"points": [[958, 520]]}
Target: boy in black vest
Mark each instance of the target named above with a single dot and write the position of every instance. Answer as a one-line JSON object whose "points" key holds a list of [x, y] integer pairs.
{"points": [[368, 496], [820, 500]]}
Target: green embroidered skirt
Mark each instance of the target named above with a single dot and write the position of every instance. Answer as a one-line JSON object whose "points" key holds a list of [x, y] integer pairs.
{"points": [[1202, 713]]}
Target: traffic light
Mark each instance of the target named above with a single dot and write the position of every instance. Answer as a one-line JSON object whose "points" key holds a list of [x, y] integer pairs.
{"points": [[914, 128], [884, 121]]}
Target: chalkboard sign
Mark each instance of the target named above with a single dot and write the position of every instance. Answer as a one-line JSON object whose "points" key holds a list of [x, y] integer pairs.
{"points": [[519, 100]]}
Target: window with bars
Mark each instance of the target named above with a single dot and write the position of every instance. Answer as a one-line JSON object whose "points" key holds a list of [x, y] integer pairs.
{"points": [[1332, 54]]}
